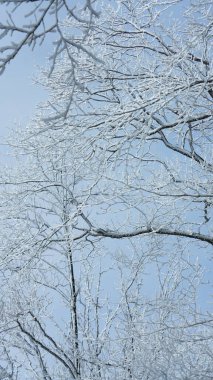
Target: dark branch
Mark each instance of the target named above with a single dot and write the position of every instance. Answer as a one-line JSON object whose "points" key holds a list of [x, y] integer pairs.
{"points": [[149, 230]]}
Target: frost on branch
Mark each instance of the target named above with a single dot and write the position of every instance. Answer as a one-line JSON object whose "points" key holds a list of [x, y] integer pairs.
{"points": [[106, 219], [31, 22]]}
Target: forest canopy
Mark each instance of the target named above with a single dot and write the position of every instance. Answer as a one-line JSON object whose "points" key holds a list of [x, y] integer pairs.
{"points": [[106, 218]]}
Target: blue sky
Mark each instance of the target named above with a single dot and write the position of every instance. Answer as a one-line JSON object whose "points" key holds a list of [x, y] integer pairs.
{"points": [[18, 94]]}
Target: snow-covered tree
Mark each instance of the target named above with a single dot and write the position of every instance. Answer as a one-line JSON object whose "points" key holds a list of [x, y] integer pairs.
{"points": [[106, 219], [31, 22]]}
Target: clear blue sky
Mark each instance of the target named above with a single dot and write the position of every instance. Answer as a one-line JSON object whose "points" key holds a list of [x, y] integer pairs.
{"points": [[18, 94]]}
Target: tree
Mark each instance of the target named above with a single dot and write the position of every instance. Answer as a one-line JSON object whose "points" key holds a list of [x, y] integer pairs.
{"points": [[147, 107], [104, 217], [43, 18], [60, 316]]}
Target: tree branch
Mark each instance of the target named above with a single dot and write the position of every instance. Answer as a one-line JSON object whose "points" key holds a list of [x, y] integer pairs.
{"points": [[146, 231]]}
